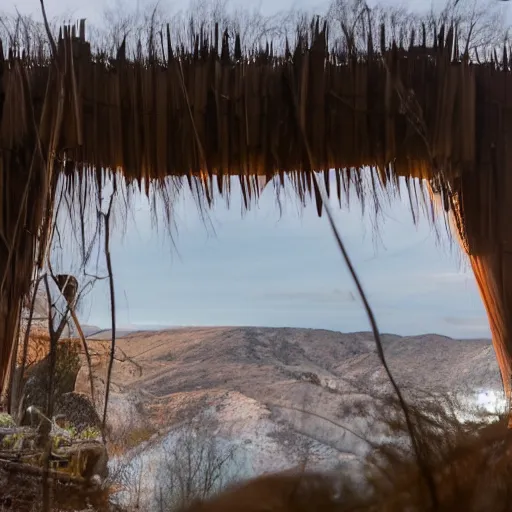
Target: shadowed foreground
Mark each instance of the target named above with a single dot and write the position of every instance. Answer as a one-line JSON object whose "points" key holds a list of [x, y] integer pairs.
{"points": [[473, 474]]}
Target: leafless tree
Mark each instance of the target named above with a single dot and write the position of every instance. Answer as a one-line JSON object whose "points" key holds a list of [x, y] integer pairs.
{"points": [[479, 24], [196, 464]]}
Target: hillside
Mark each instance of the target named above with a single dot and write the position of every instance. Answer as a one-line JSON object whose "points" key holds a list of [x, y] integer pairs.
{"points": [[277, 393], [251, 360]]}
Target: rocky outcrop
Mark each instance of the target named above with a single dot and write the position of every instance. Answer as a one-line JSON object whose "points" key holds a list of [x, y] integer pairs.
{"points": [[78, 410]]}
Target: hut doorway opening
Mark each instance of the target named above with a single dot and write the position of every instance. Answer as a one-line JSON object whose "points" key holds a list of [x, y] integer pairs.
{"points": [[70, 121]]}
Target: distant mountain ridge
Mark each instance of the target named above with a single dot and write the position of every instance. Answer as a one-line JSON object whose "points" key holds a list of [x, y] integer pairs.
{"points": [[269, 388], [271, 364]]}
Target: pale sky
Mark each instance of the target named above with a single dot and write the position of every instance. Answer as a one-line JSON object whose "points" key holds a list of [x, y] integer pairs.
{"points": [[93, 10], [271, 270]]}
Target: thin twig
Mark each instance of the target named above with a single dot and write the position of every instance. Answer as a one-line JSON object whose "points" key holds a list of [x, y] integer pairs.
{"points": [[18, 398], [49, 402], [48, 31], [53, 352], [422, 463], [112, 305]]}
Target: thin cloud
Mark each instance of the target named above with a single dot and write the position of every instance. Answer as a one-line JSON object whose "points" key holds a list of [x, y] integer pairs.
{"points": [[332, 296], [468, 322]]}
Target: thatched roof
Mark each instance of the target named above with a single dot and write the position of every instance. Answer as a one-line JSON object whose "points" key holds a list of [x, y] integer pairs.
{"points": [[209, 111]]}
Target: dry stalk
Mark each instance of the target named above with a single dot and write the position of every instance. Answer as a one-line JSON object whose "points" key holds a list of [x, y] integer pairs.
{"points": [[321, 198], [48, 31], [422, 463], [17, 401], [53, 348], [45, 427], [17, 226], [108, 259]]}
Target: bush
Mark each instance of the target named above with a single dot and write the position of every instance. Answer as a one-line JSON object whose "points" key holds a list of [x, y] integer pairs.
{"points": [[196, 464], [6, 420]]}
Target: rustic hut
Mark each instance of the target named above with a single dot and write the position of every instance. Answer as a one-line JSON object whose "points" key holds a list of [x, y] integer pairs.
{"points": [[197, 116]]}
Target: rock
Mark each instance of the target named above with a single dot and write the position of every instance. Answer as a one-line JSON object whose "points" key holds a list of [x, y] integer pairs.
{"points": [[78, 410], [37, 384], [311, 377]]}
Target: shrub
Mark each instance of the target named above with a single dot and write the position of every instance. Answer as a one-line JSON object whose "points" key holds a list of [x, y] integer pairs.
{"points": [[6, 420], [196, 465]]}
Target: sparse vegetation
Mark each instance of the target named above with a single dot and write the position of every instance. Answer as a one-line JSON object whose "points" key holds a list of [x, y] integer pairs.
{"points": [[6, 420], [130, 437], [71, 434], [90, 433], [12, 442], [196, 464], [469, 460]]}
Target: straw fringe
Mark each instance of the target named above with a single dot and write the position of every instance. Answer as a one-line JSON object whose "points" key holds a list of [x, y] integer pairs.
{"points": [[210, 113]]}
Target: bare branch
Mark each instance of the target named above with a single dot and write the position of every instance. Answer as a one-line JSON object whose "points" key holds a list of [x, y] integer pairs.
{"points": [[48, 31], [112, 303]]}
